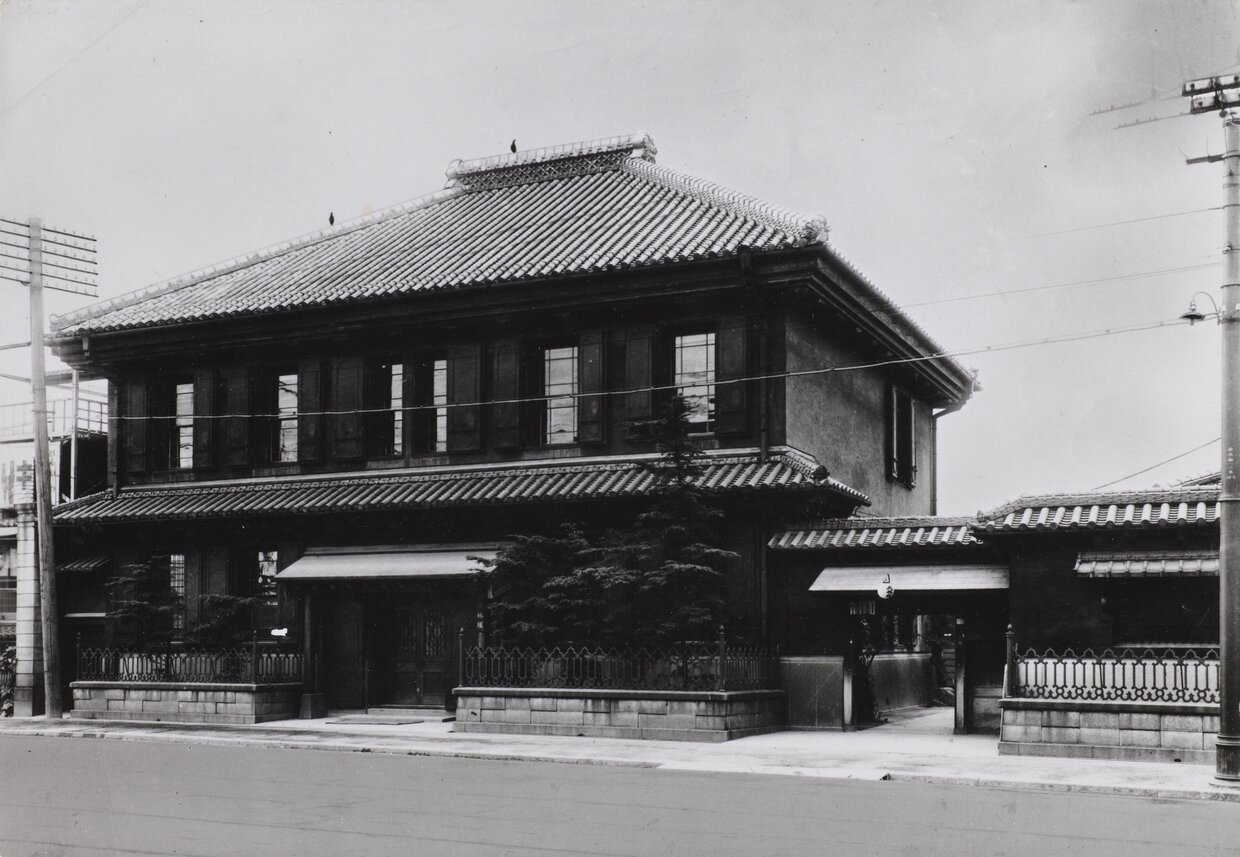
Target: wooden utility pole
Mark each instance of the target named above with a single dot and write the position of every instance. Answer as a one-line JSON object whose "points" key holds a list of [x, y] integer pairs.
{"points": [[29, 256], [1208, 95], [49, 615]]}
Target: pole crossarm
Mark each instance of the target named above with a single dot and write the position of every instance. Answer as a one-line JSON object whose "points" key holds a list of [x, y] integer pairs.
{"points": [[1207, 94]]}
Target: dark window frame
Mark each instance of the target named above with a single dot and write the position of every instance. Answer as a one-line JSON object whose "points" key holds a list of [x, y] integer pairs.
{"points": [[902, 437]]}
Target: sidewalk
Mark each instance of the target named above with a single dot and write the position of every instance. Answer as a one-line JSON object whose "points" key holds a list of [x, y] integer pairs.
{"points": [[901, 751]]}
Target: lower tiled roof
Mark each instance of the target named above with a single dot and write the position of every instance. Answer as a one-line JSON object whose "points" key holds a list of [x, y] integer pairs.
{"points": [[1164, 563], [528, 482], [843, 533], [1161, 507]]}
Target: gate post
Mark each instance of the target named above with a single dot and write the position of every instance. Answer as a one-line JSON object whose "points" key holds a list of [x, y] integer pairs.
{"points": [[1009, 669], [961, 724]]}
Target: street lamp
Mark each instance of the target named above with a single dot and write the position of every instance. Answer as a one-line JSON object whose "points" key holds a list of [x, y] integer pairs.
{"points": [[1194, 315]]}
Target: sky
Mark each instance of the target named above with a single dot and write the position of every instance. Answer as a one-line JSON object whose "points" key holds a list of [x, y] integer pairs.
{"points": [[954, 148]]}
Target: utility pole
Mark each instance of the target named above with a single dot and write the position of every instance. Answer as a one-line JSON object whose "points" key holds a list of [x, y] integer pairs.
{"points": [[48, 613], [1206, 96], [71, 260]]}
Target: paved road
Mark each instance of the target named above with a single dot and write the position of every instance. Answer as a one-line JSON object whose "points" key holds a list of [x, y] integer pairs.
{"points": [[62, 796]]}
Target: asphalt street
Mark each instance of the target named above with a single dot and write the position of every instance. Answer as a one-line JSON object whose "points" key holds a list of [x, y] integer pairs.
{"points": [[62, 796]]}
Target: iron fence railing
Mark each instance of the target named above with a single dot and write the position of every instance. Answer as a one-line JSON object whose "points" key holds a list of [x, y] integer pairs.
{"points": [[1125, 675], [696, 666], [240, 664]]}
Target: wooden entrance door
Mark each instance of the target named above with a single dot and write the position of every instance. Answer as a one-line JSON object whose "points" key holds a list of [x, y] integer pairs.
{"points": [[420, 656], [343, 678]]}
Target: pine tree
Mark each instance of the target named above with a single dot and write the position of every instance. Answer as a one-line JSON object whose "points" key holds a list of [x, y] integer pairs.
{"points": [[661, 581], [142, 604]]}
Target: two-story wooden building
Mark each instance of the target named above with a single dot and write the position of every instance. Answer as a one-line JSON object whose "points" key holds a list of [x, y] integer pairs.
{"points": [[339, 423]]}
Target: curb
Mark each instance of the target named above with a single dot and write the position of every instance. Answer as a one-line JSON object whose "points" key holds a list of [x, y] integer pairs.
{"points": [[874, 774]]}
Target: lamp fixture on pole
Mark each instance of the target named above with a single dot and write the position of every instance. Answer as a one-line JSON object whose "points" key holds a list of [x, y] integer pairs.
{"points": [[1194, 315]]}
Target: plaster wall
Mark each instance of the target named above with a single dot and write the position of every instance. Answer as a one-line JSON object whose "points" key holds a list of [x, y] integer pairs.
{"points": [[840, 418]]}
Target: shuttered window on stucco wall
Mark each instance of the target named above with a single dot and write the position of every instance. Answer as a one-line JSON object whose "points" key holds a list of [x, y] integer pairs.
{"points": [[592, 410], [135, 428], [505, 389], [345, 394], [464, 392], [638, 363], [731, 363], [237, 425]]}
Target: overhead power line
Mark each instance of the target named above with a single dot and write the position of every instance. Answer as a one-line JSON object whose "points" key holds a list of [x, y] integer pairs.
{"points": [[1126, 222], [655, 388], [1159, 464], [1133, 276]]}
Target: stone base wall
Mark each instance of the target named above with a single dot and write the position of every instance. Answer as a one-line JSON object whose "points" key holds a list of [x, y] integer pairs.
{"points": [[667, 715], [178, 702], [1150, 731]]}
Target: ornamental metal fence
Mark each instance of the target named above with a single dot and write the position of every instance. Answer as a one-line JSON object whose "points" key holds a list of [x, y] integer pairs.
{"points": [[694, 666], [1124, 675], [252, 664]]}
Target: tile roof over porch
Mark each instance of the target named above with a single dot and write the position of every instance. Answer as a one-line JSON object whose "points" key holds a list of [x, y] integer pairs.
{"points": [[733, 471]]}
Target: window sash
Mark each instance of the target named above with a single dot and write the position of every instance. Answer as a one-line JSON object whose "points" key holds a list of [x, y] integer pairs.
{"points": [[694, 377], [560, 392], [183, 427], [286, 417]]}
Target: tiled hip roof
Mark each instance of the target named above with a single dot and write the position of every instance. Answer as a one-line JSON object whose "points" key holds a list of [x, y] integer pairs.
{"points": [[593, 207], [526, 483]]}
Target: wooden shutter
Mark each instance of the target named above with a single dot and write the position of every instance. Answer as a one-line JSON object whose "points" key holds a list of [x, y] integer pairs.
{"points": [[135, 426], [237, 426], [638, 350], [204, 418], [731, 362], [505, 384], [591, 414], [464, 388], [310, 410], [346, 398]]}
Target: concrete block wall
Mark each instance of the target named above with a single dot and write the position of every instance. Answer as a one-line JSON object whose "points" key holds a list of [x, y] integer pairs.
{"points": [[185, 703], [1165, 732], [668, 715]]}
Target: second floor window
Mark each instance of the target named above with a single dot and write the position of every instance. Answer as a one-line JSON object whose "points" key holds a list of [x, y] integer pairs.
{"points": [[386, 403], [285, 440], [430, 414], [183, 428], [559, 386], [694, 378], [901, 438]]}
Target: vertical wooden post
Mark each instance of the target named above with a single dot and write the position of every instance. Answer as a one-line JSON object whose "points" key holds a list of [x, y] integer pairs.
{"points": [[1010, 683], [460, 657], [253, 656], [961, 725], [849, 715]]}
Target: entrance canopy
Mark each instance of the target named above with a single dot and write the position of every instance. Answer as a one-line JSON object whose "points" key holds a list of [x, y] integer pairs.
{"points": [[388, 563], [911, 578]]}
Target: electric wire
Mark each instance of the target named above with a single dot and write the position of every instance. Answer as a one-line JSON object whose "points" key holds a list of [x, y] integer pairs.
{"points": [[1116, 278], [1159, 464], [655, 388], [1125, 222]]}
